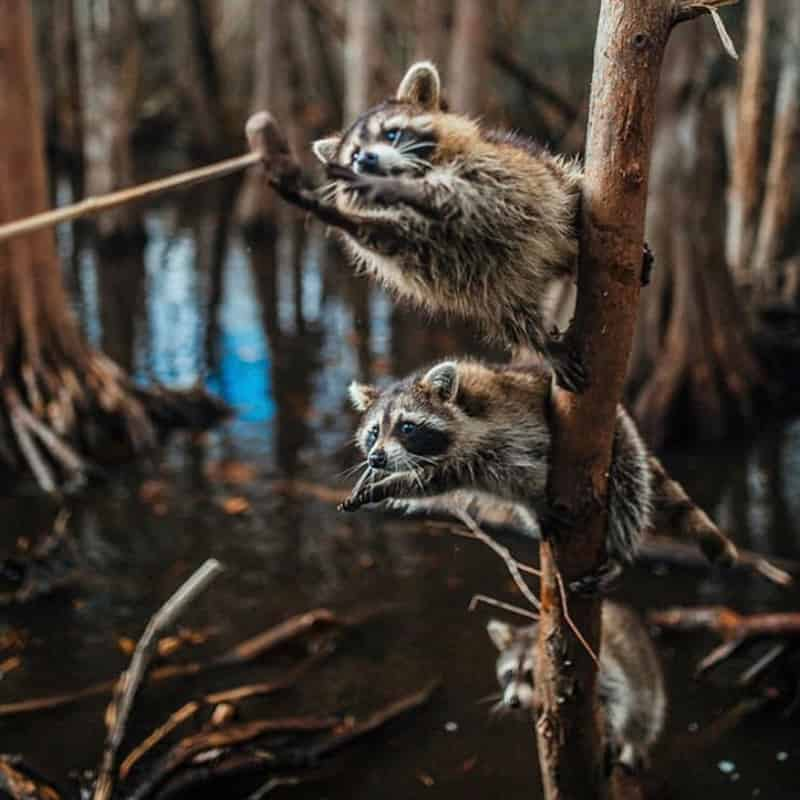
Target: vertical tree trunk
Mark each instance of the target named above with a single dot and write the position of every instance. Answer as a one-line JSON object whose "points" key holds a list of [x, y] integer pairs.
{"points": [[694, 366], [256, 203], [469, 55], [108, 45], [362, 56], [431, 31], [778, 194], [57, 396], [631, 38], [744, 188]]}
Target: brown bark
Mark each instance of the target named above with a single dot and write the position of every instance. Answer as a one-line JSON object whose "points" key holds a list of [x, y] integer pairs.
{"points": [[108, 46], [469, 56], [744, 183], [694, 369], [631, 38], [776, 208]]}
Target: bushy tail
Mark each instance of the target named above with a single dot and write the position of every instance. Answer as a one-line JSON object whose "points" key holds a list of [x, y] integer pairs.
{"points": [[676, 511]]}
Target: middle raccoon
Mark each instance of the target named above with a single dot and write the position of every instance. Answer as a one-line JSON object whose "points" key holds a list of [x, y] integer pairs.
{"points": [[465, 425], [453, 217]]}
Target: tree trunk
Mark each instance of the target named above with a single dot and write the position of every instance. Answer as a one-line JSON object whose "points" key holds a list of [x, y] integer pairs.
{"points": [[693, 365], [108, 45], [257, 205], [362, 56], [778, 194], [431, 31], [744, 188], [469, 56], [57, 396], [631, 38]]}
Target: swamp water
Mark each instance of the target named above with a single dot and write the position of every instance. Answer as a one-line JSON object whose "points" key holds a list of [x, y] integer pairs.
{"points": [[293, 327]]}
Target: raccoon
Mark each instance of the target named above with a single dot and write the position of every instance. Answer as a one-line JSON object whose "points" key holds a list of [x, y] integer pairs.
{"points": [[630, 683], [463, 425], [450, 216]]}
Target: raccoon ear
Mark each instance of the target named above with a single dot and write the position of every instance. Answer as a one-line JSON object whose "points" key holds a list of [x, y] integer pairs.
{"points": [[325, 149], [501, 633], [362, 396], [421, 86], [443, 380]]}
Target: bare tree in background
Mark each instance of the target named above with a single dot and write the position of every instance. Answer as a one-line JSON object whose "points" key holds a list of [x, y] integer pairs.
{"points": [[693, 357], [469, 56], [744, 189], [58, 397], [432, 32], [110, 68], [776, 207], [362, 55]]}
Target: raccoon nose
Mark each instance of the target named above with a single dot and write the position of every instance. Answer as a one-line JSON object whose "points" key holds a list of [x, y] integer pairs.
{"points": [[377, 459], [514, 701], [367, 161]]}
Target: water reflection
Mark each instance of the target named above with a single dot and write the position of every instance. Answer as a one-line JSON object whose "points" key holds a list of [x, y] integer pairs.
{"points": [[278, 325]]}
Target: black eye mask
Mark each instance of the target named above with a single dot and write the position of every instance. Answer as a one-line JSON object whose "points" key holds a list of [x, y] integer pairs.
{"points": [[422, 440]]}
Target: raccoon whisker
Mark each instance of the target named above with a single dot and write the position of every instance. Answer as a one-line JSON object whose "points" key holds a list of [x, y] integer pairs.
{"points": [[352, 470], [498, 708], [490, 698], [411, 146]]}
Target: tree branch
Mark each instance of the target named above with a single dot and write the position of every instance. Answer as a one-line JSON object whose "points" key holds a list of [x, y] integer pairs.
{"points": [[631, 38]]}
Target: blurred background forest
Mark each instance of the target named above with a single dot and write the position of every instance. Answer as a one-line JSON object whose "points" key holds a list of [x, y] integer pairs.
{"points": [[223, 287]]}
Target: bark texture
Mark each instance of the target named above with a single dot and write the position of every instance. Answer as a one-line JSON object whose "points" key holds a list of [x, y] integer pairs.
{"points": [[362, 56], [631, 38]]}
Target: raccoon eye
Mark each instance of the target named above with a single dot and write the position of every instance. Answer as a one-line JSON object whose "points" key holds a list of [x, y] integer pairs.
{"points": [[372, 436], [393, 135], [507, 676], [407, 428], [354, 155]]}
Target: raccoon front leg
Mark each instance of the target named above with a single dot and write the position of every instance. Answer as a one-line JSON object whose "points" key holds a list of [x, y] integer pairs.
{"points": [[396, 484], [426, 198], [285, 175]]}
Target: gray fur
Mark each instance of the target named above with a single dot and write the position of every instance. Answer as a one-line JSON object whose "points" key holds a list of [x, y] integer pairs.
{"points": [[455, 218], [630, 680], [499, 445]]}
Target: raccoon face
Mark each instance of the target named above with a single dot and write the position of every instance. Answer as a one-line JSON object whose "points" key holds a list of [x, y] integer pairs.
{"points": [[410, 424], [395, 138], [514, 664]]}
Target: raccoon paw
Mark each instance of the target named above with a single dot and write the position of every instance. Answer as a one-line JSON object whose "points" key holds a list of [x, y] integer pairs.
{"points": [[370, 189], [570, 371], [601, 581]]}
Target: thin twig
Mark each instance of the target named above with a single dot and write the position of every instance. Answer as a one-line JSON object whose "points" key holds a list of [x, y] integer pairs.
{"points": [[93, 205], [128, 685], [565, 609], [503, 552], [491, 601]]}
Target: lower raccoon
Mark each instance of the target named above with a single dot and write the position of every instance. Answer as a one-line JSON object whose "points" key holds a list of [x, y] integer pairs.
{"points": [[471, 427], [630, 683]]}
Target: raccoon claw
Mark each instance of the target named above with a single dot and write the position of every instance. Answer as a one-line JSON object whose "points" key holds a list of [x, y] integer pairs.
{"points": [[570, 371], [648, 260], [349, 504], [601, 581], [372, 190]]}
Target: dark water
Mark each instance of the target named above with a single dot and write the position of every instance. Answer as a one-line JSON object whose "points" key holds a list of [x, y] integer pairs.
{"points": [[290, 327]]}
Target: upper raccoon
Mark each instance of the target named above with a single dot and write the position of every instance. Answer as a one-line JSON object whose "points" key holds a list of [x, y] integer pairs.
{"points": [[630, 684], [465, 425], [450, 216]]}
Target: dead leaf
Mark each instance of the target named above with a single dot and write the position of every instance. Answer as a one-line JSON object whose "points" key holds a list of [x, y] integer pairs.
{"points": [[168, 645], [425, 779], [126, 645], [230, 472], [9, 665], [235, 505], [153, 491]]}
